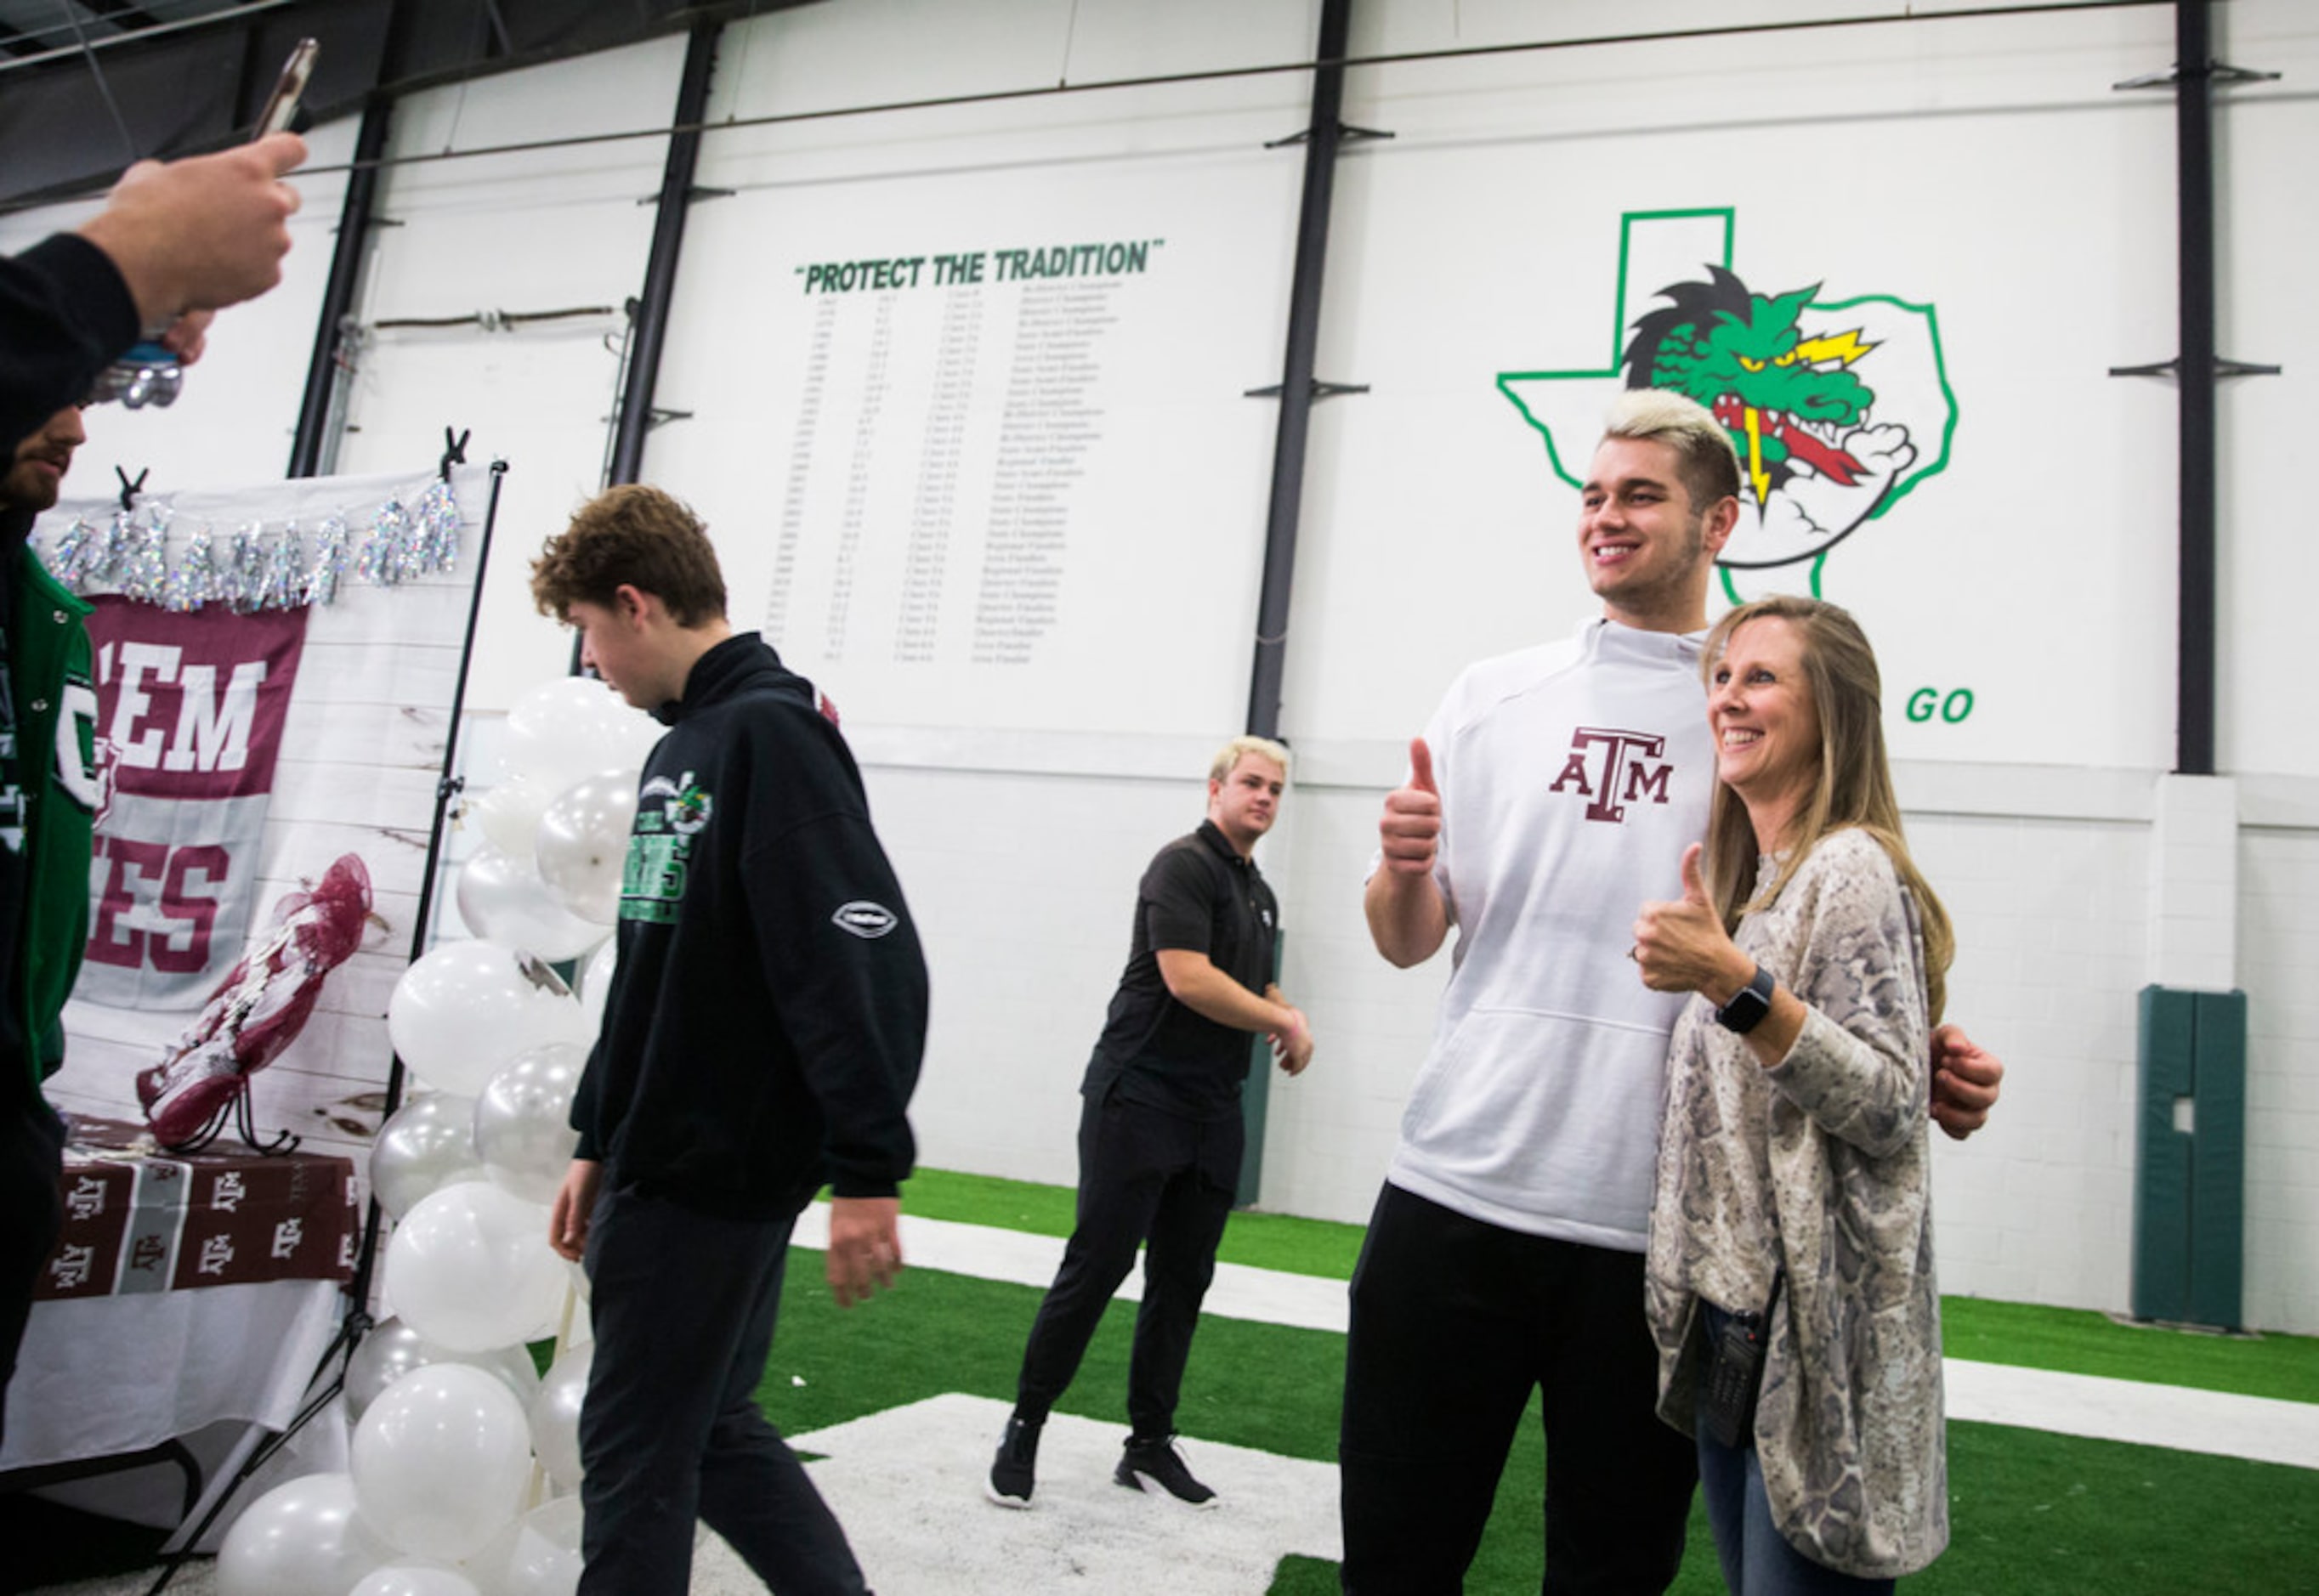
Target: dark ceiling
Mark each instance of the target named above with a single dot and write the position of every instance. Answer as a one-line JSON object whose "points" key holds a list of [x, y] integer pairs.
{"points": [[34, 28], [88, 85]]}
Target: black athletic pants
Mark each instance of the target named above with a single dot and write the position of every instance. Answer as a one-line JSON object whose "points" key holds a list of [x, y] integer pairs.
{"points": [[683, 1304], [1454, 1321], [31, 1215], [1145, 1177]]}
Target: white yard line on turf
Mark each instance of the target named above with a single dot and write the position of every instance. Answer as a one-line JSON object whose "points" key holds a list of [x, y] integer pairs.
{"points": [[2259, 1427]]}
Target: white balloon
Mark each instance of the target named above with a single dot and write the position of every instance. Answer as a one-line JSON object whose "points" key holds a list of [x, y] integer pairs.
{"points": [[555, 1416], [300, 1539], [392, 1349], [596, 983], [501, 896], [522, 1121], [412, 1577], [629, 735], [538, 1556], [509, 813], [470, 1269], [428, 1144], [582, 840], [468, 1007], [562, 730], [441, 1460]]}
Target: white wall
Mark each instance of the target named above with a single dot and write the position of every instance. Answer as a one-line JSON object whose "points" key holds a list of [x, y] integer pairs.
{"points": [[1985, 168], [541, 230], [2279, 934]]}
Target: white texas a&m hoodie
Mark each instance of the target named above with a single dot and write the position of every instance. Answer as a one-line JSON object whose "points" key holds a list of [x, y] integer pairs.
{"points": [[1572, 778]]}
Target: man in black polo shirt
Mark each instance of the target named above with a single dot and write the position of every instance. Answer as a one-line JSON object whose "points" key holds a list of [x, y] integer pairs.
{"points": [[1160, 1133]]}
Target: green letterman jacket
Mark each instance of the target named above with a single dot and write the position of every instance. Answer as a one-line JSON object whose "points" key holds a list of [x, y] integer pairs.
{"points": [[55, 705]]}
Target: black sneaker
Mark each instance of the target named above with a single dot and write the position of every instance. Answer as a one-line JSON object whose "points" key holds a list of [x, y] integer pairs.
{"points": [[1012, 1470], [1161, 1462]]}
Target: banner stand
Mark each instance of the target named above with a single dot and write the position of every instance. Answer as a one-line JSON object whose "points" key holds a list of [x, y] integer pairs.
{"points": [[356, 1323]]}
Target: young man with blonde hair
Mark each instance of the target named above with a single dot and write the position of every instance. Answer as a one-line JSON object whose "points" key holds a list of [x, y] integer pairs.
{"points": [[1554, 793], [1161, 1132]]}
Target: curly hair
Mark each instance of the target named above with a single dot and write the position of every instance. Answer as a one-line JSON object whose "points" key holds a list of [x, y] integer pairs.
{"points": [[635, 536]]}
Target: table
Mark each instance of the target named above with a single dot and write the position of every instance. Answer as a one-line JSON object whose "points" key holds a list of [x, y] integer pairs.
{"points": [[186, 1290]]}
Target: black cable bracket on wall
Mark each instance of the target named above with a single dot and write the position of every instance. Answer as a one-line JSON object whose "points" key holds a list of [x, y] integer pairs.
{"points": [[692, 196], [2197, 369], [2222, 367], [1346, 134], [2213, 72], [1314, 389]]}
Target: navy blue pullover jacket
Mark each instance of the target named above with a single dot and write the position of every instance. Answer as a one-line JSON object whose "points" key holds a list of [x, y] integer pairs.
{"points": [[768, 1014]]}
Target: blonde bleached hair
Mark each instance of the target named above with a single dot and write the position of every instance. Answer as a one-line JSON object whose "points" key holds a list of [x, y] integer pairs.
{"points": [[1233, 751], [1705, 458], [1851, 787]]}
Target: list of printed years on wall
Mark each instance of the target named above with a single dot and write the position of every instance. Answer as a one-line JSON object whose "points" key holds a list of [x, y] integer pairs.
{"points": [[950, 433]]}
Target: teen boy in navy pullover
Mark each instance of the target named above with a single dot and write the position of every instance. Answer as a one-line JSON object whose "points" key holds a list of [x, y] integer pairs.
{"points": [[761, 1037]]}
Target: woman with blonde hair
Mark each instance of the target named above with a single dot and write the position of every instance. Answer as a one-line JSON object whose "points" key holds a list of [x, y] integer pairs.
{"points": [[1791, 1264]]}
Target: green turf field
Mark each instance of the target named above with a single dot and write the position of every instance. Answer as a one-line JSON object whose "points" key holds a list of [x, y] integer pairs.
{"points": [[2032, 1513], [2017, 1333]]}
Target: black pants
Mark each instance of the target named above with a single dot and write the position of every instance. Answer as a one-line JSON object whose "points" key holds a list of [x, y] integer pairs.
{"points": [[1145, 1177], [31, 1215], [1454, 1321], [683, 1304]]}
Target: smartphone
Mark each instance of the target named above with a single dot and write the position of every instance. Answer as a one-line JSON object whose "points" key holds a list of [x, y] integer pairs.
{"points": [[282, 106], [146, 374]]}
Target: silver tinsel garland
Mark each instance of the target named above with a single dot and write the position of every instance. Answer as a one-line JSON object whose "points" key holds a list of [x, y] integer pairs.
{"points": [[257, 567]]}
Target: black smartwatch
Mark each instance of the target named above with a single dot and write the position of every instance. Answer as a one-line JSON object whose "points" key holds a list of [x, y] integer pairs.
{"points": [[1749, 1005]]}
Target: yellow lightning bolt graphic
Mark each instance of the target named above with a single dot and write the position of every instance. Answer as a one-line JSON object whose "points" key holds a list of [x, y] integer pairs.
{"points": [[1845, 347], [1756, 472]]}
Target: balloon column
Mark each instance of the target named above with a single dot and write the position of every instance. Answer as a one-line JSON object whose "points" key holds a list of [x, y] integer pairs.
{"points": [[456, 1438]]}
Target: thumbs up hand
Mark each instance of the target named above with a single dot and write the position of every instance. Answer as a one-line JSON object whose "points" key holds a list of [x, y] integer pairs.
{"points": [[1410, 833], [1681, 946]]}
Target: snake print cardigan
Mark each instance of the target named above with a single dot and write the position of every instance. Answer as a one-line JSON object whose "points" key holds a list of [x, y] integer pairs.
{"points": [[1820, 1164]]}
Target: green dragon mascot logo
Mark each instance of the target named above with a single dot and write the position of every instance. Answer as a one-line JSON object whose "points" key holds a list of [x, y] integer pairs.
{"points": [[1838, 409]]}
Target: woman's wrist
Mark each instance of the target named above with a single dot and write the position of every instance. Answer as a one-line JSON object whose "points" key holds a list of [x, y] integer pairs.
{"points": [[1732, 974]]}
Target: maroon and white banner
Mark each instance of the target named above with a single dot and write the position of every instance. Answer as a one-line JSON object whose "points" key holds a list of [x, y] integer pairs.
{"points": [[190, 712], [346, 759]]}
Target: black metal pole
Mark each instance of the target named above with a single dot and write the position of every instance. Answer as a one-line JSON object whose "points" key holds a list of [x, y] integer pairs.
{"points": [[446, 787], [2194, 160], [649, 329], [338, 294], [1296, 372]]}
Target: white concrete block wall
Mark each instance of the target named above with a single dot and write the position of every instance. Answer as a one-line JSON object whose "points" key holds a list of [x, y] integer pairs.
{"points": [[1021, 851], [1331, 1131], [2194, 884], [1023, 881], [2279, 943], [1024, 889], [2038, 1207]]}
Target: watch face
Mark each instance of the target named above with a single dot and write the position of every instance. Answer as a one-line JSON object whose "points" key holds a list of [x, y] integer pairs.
{"points": [[1748, 1006]]}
